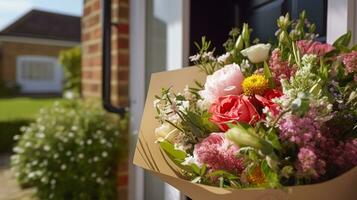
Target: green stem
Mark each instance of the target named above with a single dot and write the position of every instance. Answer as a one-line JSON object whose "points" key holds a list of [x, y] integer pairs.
{"points": [[277, 119]]}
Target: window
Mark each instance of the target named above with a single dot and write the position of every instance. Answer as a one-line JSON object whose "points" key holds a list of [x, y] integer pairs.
{"points": [[39, 69], [39, 74]]}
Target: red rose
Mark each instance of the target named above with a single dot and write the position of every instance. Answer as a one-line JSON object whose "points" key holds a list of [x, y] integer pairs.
{"points": [[233, 108], [266, 100]]}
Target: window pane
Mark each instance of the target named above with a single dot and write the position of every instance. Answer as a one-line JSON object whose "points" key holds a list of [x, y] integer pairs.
{"points": [[33, 69]]}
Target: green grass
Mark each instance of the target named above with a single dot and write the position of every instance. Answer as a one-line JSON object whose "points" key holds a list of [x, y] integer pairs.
{"points": [[23, 108], [18, 112]]}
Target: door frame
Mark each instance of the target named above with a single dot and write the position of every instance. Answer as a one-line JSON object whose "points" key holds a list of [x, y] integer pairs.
{"points": [[341, 17], [137, 88]]}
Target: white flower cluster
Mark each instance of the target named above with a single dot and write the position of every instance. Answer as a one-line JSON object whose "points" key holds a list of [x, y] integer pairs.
{"points": [[62, 143]]}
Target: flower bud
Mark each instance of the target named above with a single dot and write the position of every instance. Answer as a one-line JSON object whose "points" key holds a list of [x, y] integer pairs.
{"points": [[239, 43], [241, 137], [246, 34]]}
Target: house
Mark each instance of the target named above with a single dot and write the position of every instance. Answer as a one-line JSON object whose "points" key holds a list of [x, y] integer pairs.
{"points": [[160, 34], [29, 49]]}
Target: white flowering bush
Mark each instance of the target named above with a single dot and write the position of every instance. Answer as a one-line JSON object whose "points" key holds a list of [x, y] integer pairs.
{"points": [[70, 152]]}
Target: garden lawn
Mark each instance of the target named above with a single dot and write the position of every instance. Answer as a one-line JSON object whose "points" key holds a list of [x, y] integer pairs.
{"points": [[18, 112], [23, 108]]}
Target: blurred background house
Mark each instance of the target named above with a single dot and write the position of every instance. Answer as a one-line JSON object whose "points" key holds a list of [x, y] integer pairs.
{"points": [[29, 50]]}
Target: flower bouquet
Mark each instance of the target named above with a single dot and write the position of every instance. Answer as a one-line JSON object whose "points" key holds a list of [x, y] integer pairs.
{"points": [[268, 117]]}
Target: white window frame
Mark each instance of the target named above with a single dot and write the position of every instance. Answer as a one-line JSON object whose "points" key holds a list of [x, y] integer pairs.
{"points": [[53, 85]]}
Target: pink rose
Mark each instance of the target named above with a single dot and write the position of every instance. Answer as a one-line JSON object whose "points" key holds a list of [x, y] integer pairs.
{"points": [[233, 108], [226, 81], [312, 47]]}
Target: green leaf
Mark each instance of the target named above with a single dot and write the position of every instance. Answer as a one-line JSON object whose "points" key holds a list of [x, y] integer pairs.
{"points": [[222, 173], [170, 149], [354, 48], [268, 75], [203, 170], [270, 175], [244, 135], [196, 169], [274, 140], [343, 40], [200, 125]]}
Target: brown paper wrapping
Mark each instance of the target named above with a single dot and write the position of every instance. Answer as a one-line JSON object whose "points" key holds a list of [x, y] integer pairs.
{"points": [[149, 156]]}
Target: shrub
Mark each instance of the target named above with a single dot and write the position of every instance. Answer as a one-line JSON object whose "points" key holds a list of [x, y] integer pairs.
{"points": [[70, 152], [8, 89], [71, 62], [8, 129]]}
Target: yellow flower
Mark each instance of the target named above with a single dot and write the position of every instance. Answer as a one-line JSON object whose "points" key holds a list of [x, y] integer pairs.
{"points": [[255, 84]]}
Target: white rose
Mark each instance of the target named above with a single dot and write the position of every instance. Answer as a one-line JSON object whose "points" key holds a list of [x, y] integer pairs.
{"points": [[166, 132], [226, 81], [257, 53]]}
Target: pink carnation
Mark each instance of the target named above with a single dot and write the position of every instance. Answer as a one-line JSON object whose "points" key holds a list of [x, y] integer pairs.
{"points": [[344, 155], [309, 163], [218, 153], [303, 131], [350, 61], [280, 69], [226, 81], [314, 47]]}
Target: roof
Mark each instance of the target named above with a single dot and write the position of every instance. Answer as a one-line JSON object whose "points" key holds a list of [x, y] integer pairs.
{"points": [[46, 25]]}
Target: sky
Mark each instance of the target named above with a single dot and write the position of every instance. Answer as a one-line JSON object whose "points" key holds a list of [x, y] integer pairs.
{"points": [[10, 10]]}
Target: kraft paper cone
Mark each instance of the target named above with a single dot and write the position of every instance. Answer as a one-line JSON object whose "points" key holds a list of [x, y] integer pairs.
{"points": [[149, 156]]}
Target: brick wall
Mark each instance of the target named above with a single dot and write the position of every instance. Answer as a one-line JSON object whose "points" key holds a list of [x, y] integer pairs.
{"points": [[11, 50], [91, 43], [91, 62]]}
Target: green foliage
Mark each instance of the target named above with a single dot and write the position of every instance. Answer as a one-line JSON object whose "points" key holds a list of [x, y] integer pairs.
{"points": [[205, 60], [7, 90], [343, 41], [23, 107], [70, 152], [15, 113], [8, 129], [71, 61]]}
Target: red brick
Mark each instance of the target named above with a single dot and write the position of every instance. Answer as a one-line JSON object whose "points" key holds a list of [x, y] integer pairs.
{"points": [[123, 74], [86, 75], [123, 28], [96, 6], [123, 12], [123, 193], [123, 180], [97, 33], [123, 89], [123, 59], [123, 1], [91, 21], [93, 48], [86, 10], [123, 43], [94, 87], [123, 167], [85, 37], [123, 101], [89, 62]]}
